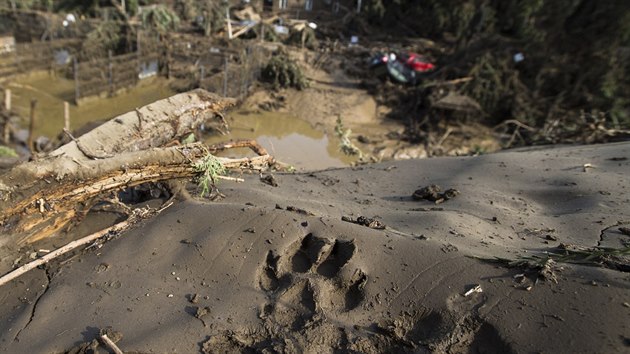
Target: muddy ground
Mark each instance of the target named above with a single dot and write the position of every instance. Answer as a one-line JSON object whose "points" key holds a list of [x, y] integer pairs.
{"points": [[275, 269], [338, 88]]}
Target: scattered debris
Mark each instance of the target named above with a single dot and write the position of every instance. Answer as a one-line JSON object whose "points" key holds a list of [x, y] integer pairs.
{"points": [[201, 312], [283, 72], [545, 265], [449, 248], [270, 180], [434, 193], [299, 210], [365, 221], [108, 339], [474, 289]]}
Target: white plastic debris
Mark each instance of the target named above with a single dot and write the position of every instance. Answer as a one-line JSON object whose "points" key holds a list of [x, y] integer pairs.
{"points": [[474, 289]]}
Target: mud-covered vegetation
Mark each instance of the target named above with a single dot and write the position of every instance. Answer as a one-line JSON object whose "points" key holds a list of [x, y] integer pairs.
{"points": [[542, 63], [283, 72]]}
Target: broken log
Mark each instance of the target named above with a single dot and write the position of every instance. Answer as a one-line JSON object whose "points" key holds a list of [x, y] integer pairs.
{"points": [[38, 198]]}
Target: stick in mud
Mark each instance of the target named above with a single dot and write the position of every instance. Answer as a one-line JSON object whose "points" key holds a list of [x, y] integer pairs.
{"points": [[7, 99], [111, 344], [31, 128], [60, 251]]}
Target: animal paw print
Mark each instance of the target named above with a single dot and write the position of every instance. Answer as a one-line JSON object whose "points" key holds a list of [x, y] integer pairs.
{"points": [[312, 277]]}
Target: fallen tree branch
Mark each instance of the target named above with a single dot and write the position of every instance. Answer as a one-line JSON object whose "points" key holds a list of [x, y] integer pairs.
{"points": [[98, 177], [39, 198]]}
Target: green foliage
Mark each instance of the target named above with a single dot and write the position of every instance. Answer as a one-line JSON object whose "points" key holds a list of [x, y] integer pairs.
{"points": [[209, 169], [7, 152], [282, 71], [208, 15], [107, 36], [160, 18]]}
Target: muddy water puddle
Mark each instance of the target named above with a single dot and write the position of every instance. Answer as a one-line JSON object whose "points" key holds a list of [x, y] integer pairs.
{"points": [[287, 138], [51, 92]]}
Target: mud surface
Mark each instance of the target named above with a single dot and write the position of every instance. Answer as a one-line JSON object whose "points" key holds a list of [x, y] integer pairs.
{"points": [[253, 273]]}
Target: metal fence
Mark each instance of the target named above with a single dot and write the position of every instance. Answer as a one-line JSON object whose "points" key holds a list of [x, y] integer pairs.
{"points": [[25, 57], [193, 60]]}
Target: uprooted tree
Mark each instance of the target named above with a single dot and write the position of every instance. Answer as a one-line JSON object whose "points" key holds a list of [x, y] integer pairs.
{"points": [[40, 197]]}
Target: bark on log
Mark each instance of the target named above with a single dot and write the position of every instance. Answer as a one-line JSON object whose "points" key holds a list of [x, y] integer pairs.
{"points": [[40, 197]]}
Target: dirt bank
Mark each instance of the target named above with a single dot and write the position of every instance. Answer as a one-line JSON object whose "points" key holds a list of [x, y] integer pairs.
{"points": [[275, 269]]}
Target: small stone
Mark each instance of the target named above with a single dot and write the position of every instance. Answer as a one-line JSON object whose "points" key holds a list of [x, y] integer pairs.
{"points": [[169, 295]]}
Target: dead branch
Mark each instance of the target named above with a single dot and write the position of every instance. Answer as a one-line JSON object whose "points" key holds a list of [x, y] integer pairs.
{"points": [[39, 198], [110, 344], [249, 143], [48, 209], [60, 251]]}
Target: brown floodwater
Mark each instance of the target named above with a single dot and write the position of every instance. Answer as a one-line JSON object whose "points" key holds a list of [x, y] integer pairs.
{"points": [[51, 91], [289, 139]]}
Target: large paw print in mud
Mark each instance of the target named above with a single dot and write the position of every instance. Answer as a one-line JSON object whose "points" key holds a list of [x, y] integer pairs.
{"points": [[311, 278]]}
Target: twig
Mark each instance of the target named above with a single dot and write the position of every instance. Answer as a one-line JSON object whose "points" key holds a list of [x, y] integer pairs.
{"points": [[249, 143], [58, 252], [228, 178], [111, 344], [518, 124], [443, 138]]}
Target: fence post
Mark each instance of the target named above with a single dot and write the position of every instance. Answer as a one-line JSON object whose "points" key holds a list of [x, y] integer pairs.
{"points": [[225, 76], [110, 73], [31, 128], [202, 72], [7, 99], [66, 115], [77, 93]]}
